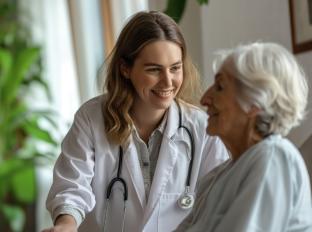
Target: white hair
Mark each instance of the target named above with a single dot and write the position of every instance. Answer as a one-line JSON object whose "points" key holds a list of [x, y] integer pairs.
{"points": [[268, 77]]}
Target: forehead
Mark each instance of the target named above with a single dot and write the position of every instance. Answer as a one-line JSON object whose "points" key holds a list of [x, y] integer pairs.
{"points": [[160, 52]]}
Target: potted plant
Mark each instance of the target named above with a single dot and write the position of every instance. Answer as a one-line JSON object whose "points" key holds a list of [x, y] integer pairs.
{"points": [[20, 129], [175, 8]]}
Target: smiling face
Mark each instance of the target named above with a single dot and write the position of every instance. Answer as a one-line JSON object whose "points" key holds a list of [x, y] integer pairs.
{"points": [[226, 117], [157, 75]]}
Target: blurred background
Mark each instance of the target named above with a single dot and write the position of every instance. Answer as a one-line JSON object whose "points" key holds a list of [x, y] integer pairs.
{"points": [[50, 54]]}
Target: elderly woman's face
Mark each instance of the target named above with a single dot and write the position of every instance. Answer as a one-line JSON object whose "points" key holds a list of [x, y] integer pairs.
{"points": [[226, 117]]}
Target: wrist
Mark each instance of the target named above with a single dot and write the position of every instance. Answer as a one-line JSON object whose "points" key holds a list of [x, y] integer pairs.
{"points": [[66, 219]]}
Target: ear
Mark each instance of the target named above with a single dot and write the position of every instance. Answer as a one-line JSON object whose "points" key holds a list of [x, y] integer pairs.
{"points": [[253, 111], [125, 70]]}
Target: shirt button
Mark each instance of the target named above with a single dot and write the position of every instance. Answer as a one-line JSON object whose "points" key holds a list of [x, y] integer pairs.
{"points": [[145, 164]]}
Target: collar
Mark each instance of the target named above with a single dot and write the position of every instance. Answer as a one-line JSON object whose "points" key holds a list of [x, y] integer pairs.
{"points": [[160, 129], [172, 120]]}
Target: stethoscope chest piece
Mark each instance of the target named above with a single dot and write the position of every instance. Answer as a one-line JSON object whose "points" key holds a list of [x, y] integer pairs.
{"points": [[186, 201]]}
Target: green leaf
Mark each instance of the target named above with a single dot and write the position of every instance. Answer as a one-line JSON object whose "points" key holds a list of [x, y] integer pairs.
{"points": [[44, 84], [6, 166], [24, 185], [175, 9], [4, 189], [10, 167], [15, 216], [201, 2], [5, 67], [25, 59], [13, 117], [48, 115], [34, 130]]}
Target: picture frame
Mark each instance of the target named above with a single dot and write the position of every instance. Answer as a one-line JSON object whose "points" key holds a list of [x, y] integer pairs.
{"points": [[301, 25]]}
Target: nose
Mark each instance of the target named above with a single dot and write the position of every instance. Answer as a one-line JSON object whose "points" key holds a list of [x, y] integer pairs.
{"points": [[206, 99], [167, 78]]}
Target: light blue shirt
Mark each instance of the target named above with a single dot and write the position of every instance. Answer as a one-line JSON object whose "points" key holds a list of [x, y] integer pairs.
{"points": [[266, 190]]}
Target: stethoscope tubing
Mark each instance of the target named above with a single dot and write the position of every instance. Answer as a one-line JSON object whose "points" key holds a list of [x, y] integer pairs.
{"points": [[118, 178], [189, 174]]}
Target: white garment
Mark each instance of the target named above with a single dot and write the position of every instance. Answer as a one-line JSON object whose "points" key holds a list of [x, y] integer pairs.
{"points": [[266, 190], [88, 162]]}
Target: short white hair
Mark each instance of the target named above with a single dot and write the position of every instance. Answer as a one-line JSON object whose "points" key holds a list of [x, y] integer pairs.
{"points": [[268, 77]]}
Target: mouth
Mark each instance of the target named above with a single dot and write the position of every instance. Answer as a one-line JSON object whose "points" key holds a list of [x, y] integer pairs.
{"points": [[163, 93]]}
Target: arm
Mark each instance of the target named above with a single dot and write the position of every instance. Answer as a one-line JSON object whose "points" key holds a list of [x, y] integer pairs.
{"points": [[71, 191], [63, 223], [264, 199], [214, 154]]}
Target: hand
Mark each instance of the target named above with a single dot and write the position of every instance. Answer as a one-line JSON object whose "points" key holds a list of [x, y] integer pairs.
{"points": [[63, 223]]}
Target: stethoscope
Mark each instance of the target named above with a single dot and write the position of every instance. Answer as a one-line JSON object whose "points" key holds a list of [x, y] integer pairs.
{"points": [[186, 200]]}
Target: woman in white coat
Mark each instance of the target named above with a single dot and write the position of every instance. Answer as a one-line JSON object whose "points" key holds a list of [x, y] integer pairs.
{"points": [[142, 133]]}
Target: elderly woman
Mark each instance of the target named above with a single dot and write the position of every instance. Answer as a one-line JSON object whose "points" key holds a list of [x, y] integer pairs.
{"points": [[258, 95]]}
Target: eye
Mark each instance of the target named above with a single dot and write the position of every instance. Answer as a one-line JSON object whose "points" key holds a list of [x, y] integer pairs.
{"points": [[218, 86], [175, 68], [153, 70]]}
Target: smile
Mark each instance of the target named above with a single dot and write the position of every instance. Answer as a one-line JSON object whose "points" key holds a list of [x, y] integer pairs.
{"points": [[163, 93]]}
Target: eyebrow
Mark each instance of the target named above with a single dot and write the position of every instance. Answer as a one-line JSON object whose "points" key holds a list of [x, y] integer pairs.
{"points": [[158, 65]]}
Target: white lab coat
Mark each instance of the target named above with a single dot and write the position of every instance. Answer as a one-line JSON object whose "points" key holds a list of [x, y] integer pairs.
{"points": [[88, 163]]}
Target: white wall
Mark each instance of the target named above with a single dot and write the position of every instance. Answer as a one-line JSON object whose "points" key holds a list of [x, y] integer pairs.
{"points": [[224, 24], [191, 28], [228, 23]]}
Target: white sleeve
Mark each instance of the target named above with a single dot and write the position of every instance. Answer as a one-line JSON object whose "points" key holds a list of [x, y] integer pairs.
{"points": [[214, 154], [71, 191]]}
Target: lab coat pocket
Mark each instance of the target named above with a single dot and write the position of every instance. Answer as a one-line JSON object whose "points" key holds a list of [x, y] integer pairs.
{"points": [[170, 214]]}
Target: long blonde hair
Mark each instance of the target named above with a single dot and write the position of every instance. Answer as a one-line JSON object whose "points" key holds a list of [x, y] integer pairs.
{"points": [[142, 29]]}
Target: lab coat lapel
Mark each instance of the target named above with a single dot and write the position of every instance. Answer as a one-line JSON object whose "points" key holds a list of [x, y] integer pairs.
{"points": [[134, 169], [166, 161]]}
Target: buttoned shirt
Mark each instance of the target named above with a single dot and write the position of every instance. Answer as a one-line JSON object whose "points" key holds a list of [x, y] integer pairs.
{"points": [[148, 153]]}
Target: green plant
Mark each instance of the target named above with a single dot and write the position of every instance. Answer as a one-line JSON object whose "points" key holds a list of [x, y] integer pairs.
{"points": [[175, 8], [20, 130]]}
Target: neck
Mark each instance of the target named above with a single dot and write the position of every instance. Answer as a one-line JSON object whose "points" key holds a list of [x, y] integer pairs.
{"points": [[146, 120], [241, 142]]}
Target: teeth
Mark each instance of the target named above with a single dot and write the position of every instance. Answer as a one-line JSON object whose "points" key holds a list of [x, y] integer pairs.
{"points": [[164, 93]]}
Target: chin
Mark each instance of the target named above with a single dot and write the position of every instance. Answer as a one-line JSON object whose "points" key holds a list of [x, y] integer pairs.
{"points": [[163, 104], [211, 131]]}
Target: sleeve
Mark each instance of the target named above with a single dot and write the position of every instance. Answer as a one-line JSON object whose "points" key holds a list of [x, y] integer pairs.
{"points": [[214, 154], [71, 191], [264, 199]]}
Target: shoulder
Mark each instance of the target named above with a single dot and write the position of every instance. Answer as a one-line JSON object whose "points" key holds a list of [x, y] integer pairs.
{"points": [[93, 104], [92, 108], [277, 147], [274, 155]]}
